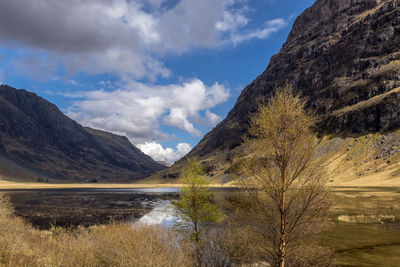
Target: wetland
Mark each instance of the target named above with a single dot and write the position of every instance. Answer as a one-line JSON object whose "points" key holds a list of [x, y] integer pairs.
{"points": [[365, 221]]}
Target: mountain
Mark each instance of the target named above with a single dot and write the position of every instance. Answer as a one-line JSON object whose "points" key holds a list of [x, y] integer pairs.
{"points": [[166, 164], [344, 57], [38, 141]]}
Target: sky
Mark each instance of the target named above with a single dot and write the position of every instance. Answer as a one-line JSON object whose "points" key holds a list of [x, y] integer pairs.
{"points": [[161, 72]]}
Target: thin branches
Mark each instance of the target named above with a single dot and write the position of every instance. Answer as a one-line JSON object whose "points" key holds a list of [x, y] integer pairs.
{"points": [[283, 181]]}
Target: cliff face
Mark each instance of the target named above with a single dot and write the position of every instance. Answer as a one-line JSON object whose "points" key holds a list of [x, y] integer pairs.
{"points": [[344, 56], [41, 141]]}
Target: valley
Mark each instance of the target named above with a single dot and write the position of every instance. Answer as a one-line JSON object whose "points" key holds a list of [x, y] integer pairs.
{"points": [[366, 220], [155, 154]]}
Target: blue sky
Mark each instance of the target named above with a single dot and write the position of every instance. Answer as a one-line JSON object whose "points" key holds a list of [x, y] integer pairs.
{"points": [[161, 72]]}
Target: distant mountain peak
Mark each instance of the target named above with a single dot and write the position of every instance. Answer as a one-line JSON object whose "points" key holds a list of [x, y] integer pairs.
{"points": [[166, 164], [38, 140]]}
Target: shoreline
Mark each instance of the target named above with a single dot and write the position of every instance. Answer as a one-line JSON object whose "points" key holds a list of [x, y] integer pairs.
{"points": [[8, 185]]}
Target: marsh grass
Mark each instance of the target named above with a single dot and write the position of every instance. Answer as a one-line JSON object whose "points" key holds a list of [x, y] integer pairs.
{"points": [[370, 237], [363, 244], [115, 244]]}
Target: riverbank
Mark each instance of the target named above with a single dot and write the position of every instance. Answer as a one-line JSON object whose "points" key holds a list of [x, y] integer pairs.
{"points": [[33, 185], [9, 185]]}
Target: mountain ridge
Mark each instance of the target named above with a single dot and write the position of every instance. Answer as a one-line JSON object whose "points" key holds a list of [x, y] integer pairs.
{"points": [[338, 53], [37, 136], [343, 56]]}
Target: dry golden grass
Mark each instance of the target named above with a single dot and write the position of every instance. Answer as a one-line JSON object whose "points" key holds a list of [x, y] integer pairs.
{"points": [[108, 245], [360, 83], [115, 245], [392, 66], [352, 161]]}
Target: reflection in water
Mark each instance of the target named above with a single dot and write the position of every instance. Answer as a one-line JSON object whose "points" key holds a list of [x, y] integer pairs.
{"points": [[160, 190], [71, 207], [92, 206], [162, 214]]}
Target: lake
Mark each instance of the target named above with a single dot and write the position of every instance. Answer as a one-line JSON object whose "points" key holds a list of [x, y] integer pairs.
{"points": [[72, 207], [366, 228], [86, 207]]}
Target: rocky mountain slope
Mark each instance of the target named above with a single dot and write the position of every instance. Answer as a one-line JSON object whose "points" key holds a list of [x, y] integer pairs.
{"points": [[38, 141], [344, 56]]}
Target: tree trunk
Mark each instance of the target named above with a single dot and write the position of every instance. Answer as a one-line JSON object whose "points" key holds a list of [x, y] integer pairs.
{"points": [[197, 244], [196, 230], [282, 245]]}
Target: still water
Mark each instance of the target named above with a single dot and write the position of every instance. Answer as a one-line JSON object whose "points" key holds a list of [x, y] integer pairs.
{"points": [[72, 207], [366, 220]]}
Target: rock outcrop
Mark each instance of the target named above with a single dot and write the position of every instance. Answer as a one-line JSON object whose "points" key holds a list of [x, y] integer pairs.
{"points": [[344, 56], [40, 142]]}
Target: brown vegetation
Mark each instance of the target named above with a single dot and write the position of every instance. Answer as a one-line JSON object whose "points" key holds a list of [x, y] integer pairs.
{"points": [[115, 244]]}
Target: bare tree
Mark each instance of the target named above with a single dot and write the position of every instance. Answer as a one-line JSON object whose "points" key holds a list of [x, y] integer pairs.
{"points": [[286, 197]]}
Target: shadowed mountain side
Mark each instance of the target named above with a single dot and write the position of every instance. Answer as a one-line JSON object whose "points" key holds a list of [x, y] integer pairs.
{"points": [[36, 136]]}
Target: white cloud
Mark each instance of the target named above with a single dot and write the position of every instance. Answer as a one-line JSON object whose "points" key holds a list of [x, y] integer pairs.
{"points": [[137, 109], [212, 118], [233, 25], [231, 21], [262, 33], [159, 153], [178, 117], [119, 36]]}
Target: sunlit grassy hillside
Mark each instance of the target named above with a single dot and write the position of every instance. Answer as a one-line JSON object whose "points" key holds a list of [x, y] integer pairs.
{"points": [[350, 160]]}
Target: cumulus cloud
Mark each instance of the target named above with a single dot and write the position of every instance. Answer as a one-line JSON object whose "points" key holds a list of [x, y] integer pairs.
{"points": [[119, 36], [231, 21], [159, 153], [128, 40], [137, 109], [212, 118]]}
